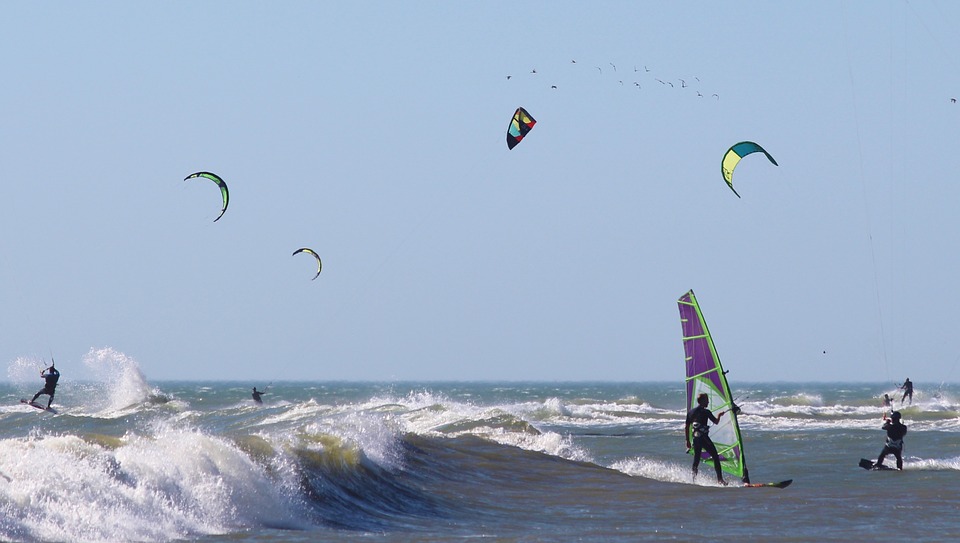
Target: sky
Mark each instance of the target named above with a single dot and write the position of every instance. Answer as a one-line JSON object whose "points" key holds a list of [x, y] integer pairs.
{"points": [[374, 133]]}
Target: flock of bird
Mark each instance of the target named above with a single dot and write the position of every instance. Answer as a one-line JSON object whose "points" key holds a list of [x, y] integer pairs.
{"points": [[637, 81]]}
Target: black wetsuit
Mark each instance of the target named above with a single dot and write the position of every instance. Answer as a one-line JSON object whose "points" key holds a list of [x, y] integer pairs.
{"points": [[907, 391], [697, 418], [51, 377], [257, 394], [894, 444]]}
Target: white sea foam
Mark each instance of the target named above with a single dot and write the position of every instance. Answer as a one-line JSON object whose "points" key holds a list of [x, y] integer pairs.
{"points": [[669, 472], [174, 485], [934, 464], [428, 413]]}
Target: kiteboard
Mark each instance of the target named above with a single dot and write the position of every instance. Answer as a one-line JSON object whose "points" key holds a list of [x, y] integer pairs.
{"points": [[871, 465], [781, 484], [38, 406]]}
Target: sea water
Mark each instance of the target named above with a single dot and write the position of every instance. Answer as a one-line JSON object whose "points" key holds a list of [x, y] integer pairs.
{"points": [[127, 459]]}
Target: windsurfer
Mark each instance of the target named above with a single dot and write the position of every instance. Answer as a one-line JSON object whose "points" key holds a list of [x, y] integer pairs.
{"points": [[698, 417], [894, 444]]}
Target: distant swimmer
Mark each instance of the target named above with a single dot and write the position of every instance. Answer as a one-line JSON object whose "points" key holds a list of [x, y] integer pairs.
{"points": [[887, 400], [894, 444], [257, 394], [698, 417], [51, 376], [907, 388]]}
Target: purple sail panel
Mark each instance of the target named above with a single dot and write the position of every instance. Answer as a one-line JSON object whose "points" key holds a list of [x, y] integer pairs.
{"points": [[699, 356]]}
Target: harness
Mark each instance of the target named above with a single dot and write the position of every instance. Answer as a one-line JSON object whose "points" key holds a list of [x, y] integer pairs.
{"points": [[895, 441], [700, 430]]}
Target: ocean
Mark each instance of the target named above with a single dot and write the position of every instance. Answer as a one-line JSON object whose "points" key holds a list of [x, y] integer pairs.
{"points": [[131, 460]]}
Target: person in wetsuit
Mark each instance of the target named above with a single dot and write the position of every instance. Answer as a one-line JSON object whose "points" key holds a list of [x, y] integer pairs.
{"points": [[907, 387], [257, 394], [887, 400], [894, 444], [697, 418], [50, 376]]}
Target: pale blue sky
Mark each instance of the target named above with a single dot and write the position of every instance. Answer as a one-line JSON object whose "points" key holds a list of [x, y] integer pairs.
{"points": [[373, 132]]}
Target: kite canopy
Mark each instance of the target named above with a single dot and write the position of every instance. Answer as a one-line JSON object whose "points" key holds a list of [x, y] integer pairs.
{"points": [[223, 189], [732, 157], [315, 255], [521, 123]]}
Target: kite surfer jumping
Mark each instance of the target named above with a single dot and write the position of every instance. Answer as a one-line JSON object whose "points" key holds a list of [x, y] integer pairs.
{"points": [[51, 376]]}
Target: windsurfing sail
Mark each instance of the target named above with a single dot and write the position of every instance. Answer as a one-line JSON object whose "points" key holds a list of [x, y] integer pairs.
{"points": [[705, 374], [521, 123]]}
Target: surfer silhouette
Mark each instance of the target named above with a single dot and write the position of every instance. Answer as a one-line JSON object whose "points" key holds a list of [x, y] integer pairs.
{"points": [[257, 394], [51, 376], [907, 388], [887, 400], [894, 444], [697, 418]]}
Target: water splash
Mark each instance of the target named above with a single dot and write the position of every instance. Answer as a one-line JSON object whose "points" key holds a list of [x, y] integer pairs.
{"points": [[669, 472], [25, 369], [125, 383]]}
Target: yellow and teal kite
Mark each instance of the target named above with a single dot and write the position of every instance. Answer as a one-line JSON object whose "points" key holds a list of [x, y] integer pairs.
{"points": [[223, 189], [521, 123], [315, 255], [732, 157]]}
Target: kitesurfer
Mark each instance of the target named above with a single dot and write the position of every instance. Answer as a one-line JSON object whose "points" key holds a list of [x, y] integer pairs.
{"points": [[894, 444], [907, 388], [698, 417], [50, 375], [887, 400], [257, 394]]}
